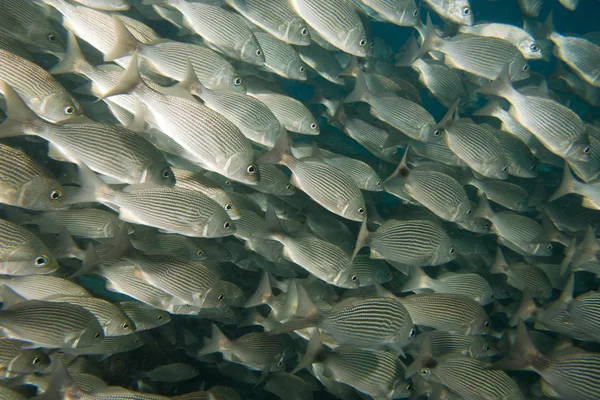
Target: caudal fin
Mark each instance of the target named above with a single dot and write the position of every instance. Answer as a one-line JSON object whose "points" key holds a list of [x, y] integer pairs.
{"points": [[125, 42], [523, 353], [568, 184], [218, 342], [279, 152], [262, 294], [19, 115], [500, 87], [360, 93], [417, 281], [314, 352], [73, 61]]}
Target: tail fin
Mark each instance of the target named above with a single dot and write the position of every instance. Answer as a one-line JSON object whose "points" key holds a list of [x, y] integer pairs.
{"points": [[527, 309], [19, 115], [339, 118], [272, 228], [409, 56], [263, 292], [484, 210], [432, 40], [125, 42], [501, 87], [491, 109], [547, 28], [92, 189], [279, 152], [402, 169], [523, 354], [417, 281], [60, 382], [73, 61], [352, 69], [569, 253], [360, 93], [568, 184], [587, 250], [448, 117], [191, 82], [423, 359], [307, 314], [218, 342], [314, 352], [500, 265], [362, 239], [130, 79]]}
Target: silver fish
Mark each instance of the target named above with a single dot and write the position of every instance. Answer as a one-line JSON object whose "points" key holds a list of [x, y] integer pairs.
{"points": [[144, 316], [515, 35], [458, 11], [280, 57]]}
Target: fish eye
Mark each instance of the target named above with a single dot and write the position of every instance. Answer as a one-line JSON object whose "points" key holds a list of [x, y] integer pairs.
{"points": [[288, 186], [41, 260], [469, 211], [137, 340], [424, 371], [304, 31], [466, 11], [354, 278], [302, 69], [69, 110], [486, 324], [416, 13], [486, 225], [412, 332], [228, 182], [159, 317], [525, 67], [452, 250], [56, 195], [237, 81], [97, 335], [280, 363], [125, 325], [361, 210], [409, 387], [486, 347], [228, 206], [587, 149], [227, 225], [505, 168], [313, 125], [166, 173], [220, 297], [549, 247], [36, 361], [200, 253], [437, 132], [251, 169], [533, 167], [378, 183], [259, 52], [52, 38], [362, 42], [534, 47]]}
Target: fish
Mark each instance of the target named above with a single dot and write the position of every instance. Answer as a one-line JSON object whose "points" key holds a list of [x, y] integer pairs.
{"points": [[220, 28], [468, 284], [276, 17], [414, 243], [328, 263], [17, 360], [481, 56], [458, 12], [107, 5], [316, 179], [280, 57], [283, 384], [555, 370], [144, 316], [336, 22], [571, 185], [523, 276], [557, 127], [175, 372], [408, 117], [322, 61], [292, 114], [515, 35], [443, 83], [402, 13], [479, 347], [530, 8]]}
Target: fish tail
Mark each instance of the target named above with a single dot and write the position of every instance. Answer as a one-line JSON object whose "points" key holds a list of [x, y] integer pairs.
{"points": [[416, 280], [500, 265], [569, 253], [410, 54], [402, 169], [190, 82], [527, 309], [314, 352], [19, 115], [91, 188], [272, 226], [125, 42], [484, 210], [339, 118], [430, 42], [279, 152], [361, 91], [587, 250], [501, 86], [61, 384], [362, 239], [489, 110], [567, 185], [130, 79], [523, 354], [306, 315], [73, 60], [218, 342], [262, 294], [547, 28], [353, 67]]}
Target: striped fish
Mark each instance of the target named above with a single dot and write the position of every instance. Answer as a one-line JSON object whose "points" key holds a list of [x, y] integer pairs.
{"points": [[114, 321], [92, 223], [452, 313], [38, 287], [253, 117], [22, 253], [413, 243], [584, 312], [273, 181], [25, 183], [275, 17], [523, 276], [480, 347], [286, 385], [507, 194], [50, 325], [513, 34], [444, 83], [322, 61], [281, 58], [144, 317], [398, 12], [571, 375], [292, 114], [370, 271], [189, 281], [15, 360], [110, 345], [406, 116], [336, 21]]}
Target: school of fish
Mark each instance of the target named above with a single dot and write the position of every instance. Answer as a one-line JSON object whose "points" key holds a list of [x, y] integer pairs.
{"points": [[262, 199]]}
